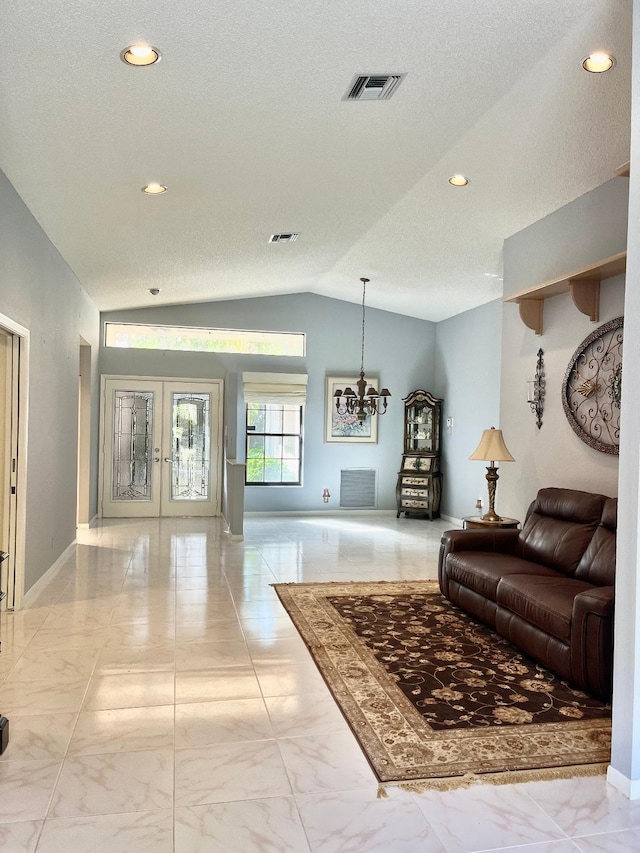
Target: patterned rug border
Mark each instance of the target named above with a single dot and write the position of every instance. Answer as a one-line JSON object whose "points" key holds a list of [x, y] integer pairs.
{"points": [[412, 755]]}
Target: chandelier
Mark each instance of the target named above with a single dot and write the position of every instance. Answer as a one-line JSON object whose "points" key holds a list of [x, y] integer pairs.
{"points": [[367, 401]]}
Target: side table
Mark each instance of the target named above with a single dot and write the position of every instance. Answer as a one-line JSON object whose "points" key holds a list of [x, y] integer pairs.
{"points": [[476, 522]]}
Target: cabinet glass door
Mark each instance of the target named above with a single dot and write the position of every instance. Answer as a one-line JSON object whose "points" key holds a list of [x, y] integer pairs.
{"points": [[420, 429]]}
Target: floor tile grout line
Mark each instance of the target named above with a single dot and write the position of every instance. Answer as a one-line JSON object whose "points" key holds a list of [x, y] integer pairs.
{"points": [[171, 583]]}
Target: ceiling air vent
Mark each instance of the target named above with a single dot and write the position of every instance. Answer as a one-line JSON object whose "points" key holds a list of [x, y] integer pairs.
{"points": [[373, 87], [291, 237]]}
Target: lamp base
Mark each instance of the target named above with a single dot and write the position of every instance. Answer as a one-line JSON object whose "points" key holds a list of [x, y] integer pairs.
{"points": [[492, 518]]}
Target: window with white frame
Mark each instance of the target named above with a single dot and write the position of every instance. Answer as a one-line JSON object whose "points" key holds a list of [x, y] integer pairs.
{"points": [[274, 420], [274, 444]]}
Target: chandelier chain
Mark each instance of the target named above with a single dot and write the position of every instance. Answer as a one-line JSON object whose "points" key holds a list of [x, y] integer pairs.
{"points": [[364, 288]]}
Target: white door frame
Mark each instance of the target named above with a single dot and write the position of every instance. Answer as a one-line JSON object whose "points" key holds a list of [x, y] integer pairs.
{"points": [[105, 433], [19, 477]]}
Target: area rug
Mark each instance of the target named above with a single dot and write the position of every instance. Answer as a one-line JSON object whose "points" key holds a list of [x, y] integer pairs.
{"points": [[435, 698]]}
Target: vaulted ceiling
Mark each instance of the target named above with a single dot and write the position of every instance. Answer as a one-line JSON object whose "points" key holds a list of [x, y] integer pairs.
{"points": [[244, 121]]}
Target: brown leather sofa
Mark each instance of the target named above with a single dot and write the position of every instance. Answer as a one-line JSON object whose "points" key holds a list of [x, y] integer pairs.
{"points": [[547, 588]]}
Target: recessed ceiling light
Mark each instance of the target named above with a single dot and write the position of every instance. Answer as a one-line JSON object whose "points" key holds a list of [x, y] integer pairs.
{"points": [[154, 291], [599, 62], [140, 54], [154, 189], [458, 181]]}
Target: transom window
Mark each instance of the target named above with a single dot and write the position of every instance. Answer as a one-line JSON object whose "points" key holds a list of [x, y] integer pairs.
{"points": [[274, 444], [195, 339]]}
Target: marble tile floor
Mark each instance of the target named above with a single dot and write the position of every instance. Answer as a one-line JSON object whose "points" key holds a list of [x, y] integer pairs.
{"points": [[160, 700]]}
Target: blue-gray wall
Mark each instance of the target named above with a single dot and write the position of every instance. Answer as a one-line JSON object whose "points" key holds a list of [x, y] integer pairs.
{"points": [[398, 349], [467, 377], [40, 292]]}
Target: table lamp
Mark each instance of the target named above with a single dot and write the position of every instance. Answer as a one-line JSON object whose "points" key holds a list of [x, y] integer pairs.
{"points": [[492, 449]]}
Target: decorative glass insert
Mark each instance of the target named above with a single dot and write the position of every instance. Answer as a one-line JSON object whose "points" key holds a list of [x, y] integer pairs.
{"points": [[195, 339], [274, 444], [190, 446], [132, 427]]}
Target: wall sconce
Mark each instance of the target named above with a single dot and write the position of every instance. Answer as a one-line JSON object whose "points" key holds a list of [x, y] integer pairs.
{"points": [[326, 496], [535, 390]]}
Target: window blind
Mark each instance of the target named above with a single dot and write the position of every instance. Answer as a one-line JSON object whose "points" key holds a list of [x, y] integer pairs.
{"points": [[282, 388]]}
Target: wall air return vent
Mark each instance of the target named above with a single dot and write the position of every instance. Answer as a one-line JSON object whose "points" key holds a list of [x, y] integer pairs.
{"points": [[373, 87], [289, 237], [358, 488]]}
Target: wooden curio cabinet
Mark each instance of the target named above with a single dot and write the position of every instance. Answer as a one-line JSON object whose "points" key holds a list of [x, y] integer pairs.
{"points": [[419, 481]]}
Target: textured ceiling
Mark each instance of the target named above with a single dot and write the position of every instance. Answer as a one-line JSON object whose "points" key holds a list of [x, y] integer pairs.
{"points": [[243, 120]]}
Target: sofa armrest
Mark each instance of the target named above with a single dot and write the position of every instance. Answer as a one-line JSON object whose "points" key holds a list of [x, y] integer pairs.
{"points": [[501, 541], [592, 639], [480, 540]]}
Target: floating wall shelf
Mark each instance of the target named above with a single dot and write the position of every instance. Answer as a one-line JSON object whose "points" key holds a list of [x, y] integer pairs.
{"points": [[583, 285]]}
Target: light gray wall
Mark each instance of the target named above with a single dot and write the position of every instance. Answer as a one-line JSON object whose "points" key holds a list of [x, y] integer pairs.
{"points": [[398, 349], [39, 291], [467, 377], [589, 229]]}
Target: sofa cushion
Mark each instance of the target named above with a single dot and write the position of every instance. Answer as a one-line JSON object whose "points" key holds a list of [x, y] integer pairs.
{"points": [[598, 565], [546, 602], [570, 505], [481, 571], [559, 528]]}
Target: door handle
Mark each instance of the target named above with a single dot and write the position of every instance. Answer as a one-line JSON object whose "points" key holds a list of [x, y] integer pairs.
{"points": [[168, 459], [156, 458]]}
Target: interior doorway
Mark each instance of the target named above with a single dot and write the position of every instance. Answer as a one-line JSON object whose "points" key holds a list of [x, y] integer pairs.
{"points": [[161, 447], [14, 349]]}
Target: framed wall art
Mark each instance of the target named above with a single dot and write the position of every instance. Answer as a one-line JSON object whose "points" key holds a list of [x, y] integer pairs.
{"points": [[342, 426]]}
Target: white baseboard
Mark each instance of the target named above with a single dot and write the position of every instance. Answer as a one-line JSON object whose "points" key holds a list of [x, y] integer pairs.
{"points": [[333, 513], [629, 787], [235, 537], [85, 525], [456, 521], [32, 594]]}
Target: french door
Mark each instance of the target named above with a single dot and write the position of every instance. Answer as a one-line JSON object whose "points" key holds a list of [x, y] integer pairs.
{"points": [[161, 442]]}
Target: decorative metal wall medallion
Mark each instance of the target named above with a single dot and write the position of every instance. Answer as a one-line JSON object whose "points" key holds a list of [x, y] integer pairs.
{"points": [[592, 388]]}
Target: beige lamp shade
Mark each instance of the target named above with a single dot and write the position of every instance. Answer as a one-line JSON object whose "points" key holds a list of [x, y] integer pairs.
{"points": [[492, 448]]}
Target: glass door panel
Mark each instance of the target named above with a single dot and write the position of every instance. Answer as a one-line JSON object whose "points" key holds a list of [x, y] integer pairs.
{"points": [[190, 447], [132, 448], [133, 434]]}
